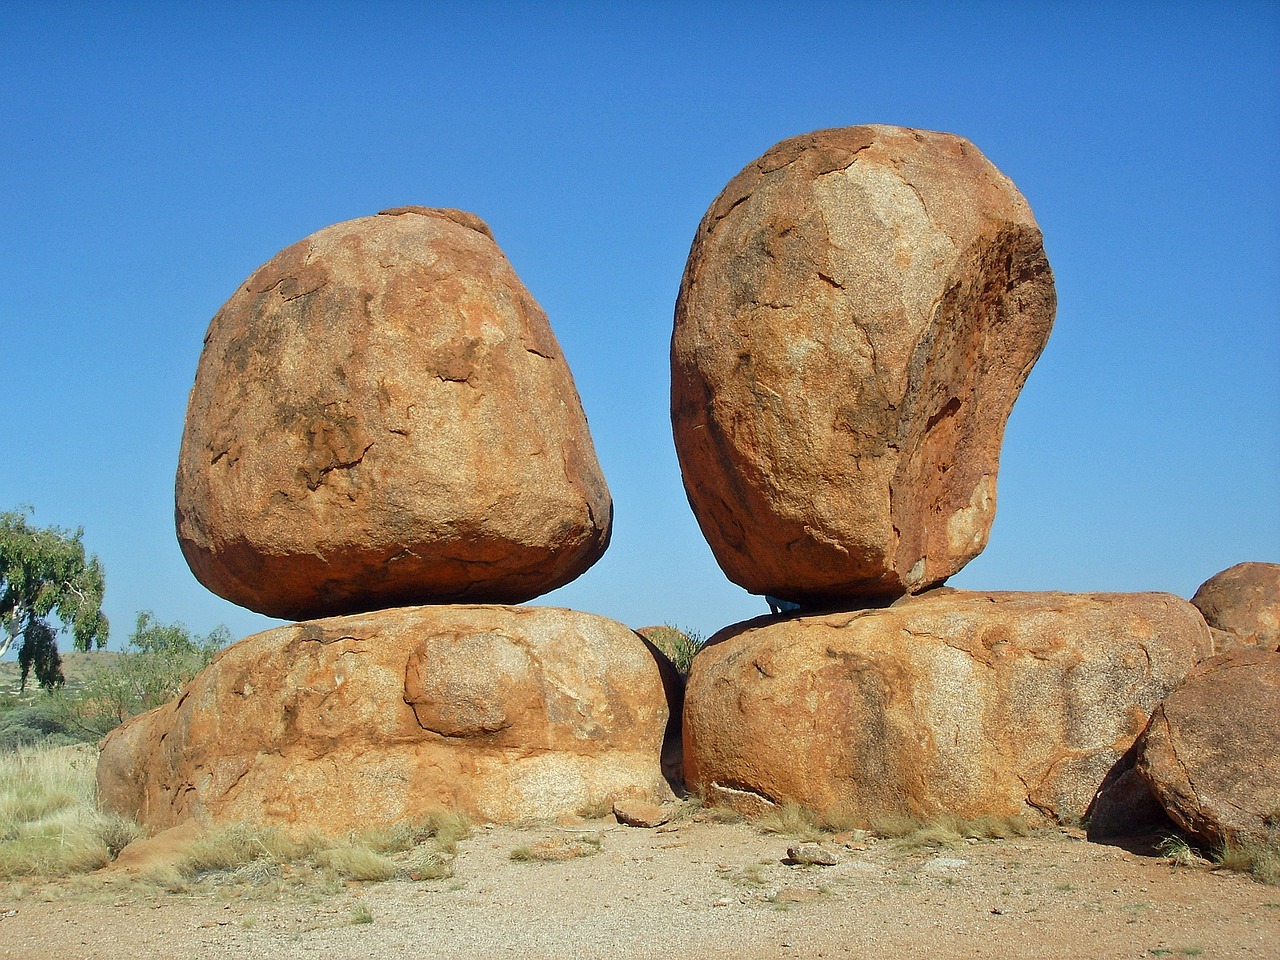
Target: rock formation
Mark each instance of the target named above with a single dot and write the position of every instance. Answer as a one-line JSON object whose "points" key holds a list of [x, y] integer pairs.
{"points": [[1211, 754], [1243, 601], [859, 311], [382, 417], [952, 702], [358, 721]]}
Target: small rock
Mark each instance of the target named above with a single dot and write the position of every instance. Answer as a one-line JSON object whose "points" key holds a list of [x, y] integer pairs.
{"points": [[813, 854], [640, 813], [722, 902]]}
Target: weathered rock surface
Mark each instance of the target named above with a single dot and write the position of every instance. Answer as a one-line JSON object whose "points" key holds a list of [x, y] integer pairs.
{"points": [[351, 722], [382, 417], [952, 702], [1244, 600], [640, 813], [859, 311], [1211, 754]]}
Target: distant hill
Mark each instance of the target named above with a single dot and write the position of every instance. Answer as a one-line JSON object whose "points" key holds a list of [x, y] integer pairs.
{"points": [[76, 667]]}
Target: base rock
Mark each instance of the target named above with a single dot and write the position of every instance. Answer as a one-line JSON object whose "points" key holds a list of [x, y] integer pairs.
{"points": [[1212, 752], [953, 702], [351, 722]]}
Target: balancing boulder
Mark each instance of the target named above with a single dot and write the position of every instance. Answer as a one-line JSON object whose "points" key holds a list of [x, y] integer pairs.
{"points": [[859, 311], [382, 417]]}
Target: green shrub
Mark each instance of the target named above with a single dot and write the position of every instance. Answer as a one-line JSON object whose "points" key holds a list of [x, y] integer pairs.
{"points": [[678, 646], [41, 721], [158, 661]]}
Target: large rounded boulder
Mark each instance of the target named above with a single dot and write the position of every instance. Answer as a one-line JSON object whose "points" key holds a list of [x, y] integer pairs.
{"points": [[381, 417], [1244, 601], [958, 703], [1211, 754], [503, 713], [859, 311]]}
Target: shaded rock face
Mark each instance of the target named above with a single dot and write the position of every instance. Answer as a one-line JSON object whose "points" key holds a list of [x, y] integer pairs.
{"points": [[859, 311], [1211, 754], [953, 702], [1243, 600], [352, 722], [381, 417]]}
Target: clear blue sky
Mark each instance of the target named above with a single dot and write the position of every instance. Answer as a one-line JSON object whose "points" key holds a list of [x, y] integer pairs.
{"points": [[152, 155]]}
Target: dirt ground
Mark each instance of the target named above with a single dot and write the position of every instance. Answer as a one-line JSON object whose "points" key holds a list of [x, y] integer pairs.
{"points": [[695, 889]]}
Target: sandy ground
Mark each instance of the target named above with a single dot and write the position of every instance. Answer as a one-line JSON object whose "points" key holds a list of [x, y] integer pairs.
{"points": [[692, 890]]}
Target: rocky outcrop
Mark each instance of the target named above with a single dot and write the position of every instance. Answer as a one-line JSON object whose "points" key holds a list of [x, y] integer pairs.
{"points": [[351, 722], [952, 702], [859, 311], [382, 417], [1243, 600], [1211, 754]]}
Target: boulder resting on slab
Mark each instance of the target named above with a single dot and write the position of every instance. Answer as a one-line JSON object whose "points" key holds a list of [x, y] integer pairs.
{"points": [[381, 417], [859, 311], [1211, 754]]}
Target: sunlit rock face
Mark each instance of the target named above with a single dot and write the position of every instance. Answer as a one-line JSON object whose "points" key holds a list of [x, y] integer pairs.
{"points": [[958, 703], [382, 416], [859, 311], [1243, 603], [500, 712], [1212, 752]]}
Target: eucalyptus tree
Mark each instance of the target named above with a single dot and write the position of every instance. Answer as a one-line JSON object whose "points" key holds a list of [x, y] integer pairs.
{"points": [[45, 574]]}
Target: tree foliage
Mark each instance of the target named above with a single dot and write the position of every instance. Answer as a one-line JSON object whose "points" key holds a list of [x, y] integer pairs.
{"points": [[156, 664], [44, 573]]}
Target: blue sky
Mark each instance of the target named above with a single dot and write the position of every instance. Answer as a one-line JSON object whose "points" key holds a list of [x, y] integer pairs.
{"points": [[153, 155]]}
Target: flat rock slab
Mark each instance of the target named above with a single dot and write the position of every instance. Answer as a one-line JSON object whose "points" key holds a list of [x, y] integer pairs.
{"points": [[1212, 752], [859, 311], [956, 703], [382, 417], [502, 713]]}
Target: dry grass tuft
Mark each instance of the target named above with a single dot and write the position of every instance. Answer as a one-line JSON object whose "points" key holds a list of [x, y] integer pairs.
{"points": [[50, 825], [913, 833], [791, 820], [597, 810], [357, 863], [558, 849], [1260, 860]]}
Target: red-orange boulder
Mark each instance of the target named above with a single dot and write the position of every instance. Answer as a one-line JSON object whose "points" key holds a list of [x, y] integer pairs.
{"points": [[948, 703], [1211, 754], [859, 311], [503, 713], [382, 417], [1244, 600]]}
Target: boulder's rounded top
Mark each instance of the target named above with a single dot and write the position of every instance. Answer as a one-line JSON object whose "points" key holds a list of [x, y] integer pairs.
{"points": [[460, 217], [1244, 600]]}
